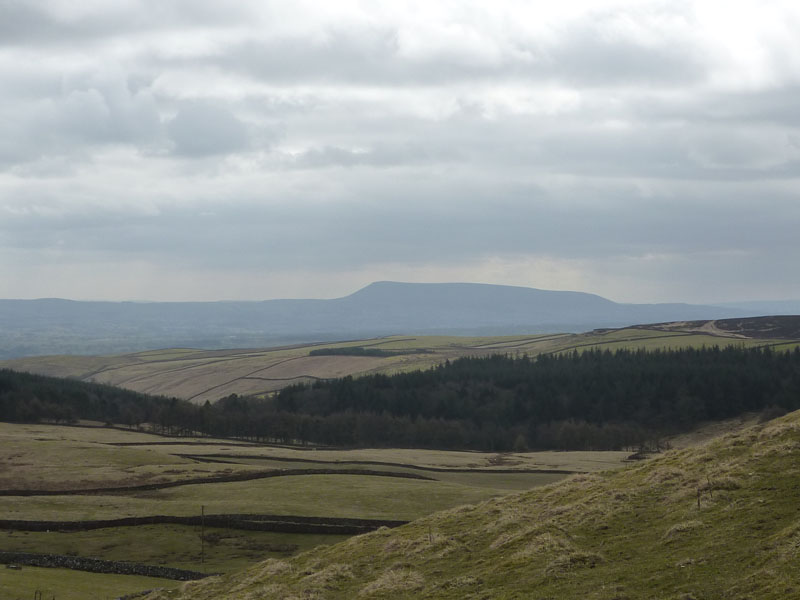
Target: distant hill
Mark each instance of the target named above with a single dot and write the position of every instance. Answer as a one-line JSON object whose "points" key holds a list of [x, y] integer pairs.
{"points": [[54, 326]]}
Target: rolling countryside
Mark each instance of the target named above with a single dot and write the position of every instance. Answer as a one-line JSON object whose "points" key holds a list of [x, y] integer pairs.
{"points": [[399, 300], [196, 506], [201, 375]]}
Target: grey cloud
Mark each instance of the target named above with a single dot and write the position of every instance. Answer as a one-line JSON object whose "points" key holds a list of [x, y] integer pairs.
{"points": [[390, 220], [342, 57], [86, 111], [36, 23], [580, 144], [206, 130], [672, 152], [105, 115], [587, 51], [776, 105], [346, 57], [22, 21], [702, 239], [379, 155], [27, 23], [593, 61], [593, 51]]}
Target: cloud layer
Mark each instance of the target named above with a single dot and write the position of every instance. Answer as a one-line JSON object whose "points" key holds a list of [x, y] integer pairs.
{"points": [[646, 151]]}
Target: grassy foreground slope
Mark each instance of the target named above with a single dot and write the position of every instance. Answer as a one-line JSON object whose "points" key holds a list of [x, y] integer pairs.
{"points": [[715, 521]]}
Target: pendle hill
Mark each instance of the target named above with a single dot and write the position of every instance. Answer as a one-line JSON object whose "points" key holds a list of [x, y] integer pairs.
{"points": [[56, 326]]}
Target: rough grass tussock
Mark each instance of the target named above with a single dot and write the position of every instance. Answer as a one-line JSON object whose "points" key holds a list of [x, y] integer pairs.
{"points": [[572, 560], [393, 581], [329, 576], [681, 528], [544, 542]]}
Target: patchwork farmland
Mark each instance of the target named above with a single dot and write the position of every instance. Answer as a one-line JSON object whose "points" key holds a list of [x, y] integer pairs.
{"points": [[200, 375]]}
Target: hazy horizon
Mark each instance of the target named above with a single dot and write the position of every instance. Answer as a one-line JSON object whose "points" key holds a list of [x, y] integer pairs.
{"points": [[197, 151], [742, 302]]}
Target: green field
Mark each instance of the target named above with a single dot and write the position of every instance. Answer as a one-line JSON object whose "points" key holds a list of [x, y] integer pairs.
{"points": [[79, 459], [63, 584], [200, 375], [223, 550]]}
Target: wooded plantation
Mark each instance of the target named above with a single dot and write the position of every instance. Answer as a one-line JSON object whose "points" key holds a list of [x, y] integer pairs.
{"points": [[590, 400]]}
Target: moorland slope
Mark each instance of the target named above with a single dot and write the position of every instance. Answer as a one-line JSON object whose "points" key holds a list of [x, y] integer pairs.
{"points": [[715, 521]]}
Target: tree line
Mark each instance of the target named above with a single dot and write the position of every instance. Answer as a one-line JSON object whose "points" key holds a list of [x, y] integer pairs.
{"points": [[31, 398], [590, 400]]}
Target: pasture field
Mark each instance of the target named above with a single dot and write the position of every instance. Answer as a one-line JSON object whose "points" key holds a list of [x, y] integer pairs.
{"points": [[224, 551], [64, 584], [200, 375], [60, 457], [42, 460], [351, 496]]}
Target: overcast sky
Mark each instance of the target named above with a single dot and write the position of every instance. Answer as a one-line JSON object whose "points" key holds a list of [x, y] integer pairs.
{"points": [[205, 150]]}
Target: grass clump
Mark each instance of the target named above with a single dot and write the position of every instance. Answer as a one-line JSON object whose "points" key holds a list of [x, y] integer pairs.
{"points": [[572, 560], [329, 577], [683, 527], [393, 582], [543, 543]]}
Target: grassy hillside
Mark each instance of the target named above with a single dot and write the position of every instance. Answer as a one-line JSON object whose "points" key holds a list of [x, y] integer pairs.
{"points": [[201, 375], [715, 521]]}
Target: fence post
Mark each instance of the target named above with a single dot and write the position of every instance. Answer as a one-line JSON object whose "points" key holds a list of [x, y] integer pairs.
{"points": [[202, 533]]}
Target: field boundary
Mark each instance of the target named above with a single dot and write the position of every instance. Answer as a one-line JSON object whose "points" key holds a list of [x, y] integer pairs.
{"points": [[96, 565], [251, 522], [238, 477], [214, 457]]}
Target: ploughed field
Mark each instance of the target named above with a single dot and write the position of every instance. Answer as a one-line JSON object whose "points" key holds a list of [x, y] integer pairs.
{"points": [[200, 375], [215, 506]]}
